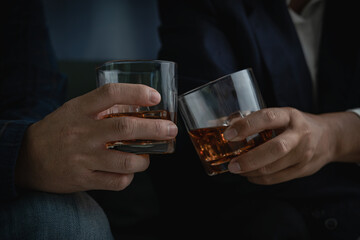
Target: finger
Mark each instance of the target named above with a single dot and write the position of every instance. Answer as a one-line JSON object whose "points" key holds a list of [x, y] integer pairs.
{"points": [[109, 181], [128, 128], [268, 118], [119, 162], [265, 154], [278, 177], [110, 94], [273, 167], [298, 154], [301, 169]]}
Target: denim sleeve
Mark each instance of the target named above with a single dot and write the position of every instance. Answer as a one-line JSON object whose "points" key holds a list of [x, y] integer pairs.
{"points": [[11, 134], [30, 84]]}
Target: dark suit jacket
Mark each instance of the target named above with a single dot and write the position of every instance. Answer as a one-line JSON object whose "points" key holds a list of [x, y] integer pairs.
{"points": [[209, 39], [30, 84]]}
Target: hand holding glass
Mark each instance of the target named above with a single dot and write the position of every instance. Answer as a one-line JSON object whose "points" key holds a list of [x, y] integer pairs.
{"points": [[208, 110], [158, 74]]}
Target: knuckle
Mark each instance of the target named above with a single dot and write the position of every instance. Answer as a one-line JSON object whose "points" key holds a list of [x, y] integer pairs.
{"points": [[73, 105], [121, 182], [293, 111], [69, 132], [77, 158], [159, 128], [249, 124], [127, 163], [125, 126], [270, 115], [300, 168], [268, 169], [248, 165], [111, 90], [69, 105], [308, 154], [306, 132], [296, 115], [281, 146], [263, 170]]}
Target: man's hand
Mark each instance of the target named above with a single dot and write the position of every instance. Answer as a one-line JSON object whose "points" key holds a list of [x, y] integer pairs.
{"points": [[65, 152], [306, 143]]}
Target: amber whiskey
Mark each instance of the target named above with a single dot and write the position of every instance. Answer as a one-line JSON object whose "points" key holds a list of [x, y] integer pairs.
{"points": [[215, 151]]}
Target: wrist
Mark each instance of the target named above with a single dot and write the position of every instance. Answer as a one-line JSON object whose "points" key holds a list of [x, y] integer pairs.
{"points": [[22, 166], [11, 135], [345, 128]]}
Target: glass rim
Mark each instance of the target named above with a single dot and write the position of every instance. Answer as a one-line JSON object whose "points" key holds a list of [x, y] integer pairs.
{"points": [[214, 81], [108, 63]]}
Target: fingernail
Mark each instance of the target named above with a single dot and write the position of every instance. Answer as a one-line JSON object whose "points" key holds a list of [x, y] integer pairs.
{"points": [[234, 167], [172, 130], [154, 97], [230, 134]]}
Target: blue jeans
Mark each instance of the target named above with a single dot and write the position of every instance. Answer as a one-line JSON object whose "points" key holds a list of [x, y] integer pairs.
{"points": [[39, 215]]}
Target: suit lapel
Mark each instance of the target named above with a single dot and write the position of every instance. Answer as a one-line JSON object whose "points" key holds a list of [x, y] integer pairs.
{"points": [[282, 54]]}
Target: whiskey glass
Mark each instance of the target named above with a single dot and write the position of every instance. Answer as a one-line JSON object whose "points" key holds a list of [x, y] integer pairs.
{"points": [[158, 74], [208, 110]]}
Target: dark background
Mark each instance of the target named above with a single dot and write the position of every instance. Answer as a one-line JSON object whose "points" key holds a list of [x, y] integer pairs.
{"points": [[85, 33]]}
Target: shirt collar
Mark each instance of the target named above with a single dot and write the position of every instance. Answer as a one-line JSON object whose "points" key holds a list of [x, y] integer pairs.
{"points": [[308, 10]]}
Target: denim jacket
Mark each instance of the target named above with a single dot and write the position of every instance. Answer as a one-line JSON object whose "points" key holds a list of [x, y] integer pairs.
{"points": [[30, 84]]}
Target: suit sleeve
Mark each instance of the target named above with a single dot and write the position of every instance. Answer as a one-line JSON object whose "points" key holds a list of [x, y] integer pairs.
{"points": [[30, 85]]}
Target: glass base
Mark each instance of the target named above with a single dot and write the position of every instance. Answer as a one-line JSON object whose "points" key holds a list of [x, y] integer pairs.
{"points": [[144, 147], [216, 168]]}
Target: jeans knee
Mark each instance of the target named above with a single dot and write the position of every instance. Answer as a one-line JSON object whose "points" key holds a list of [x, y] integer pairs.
{"points": [[40, 215]]}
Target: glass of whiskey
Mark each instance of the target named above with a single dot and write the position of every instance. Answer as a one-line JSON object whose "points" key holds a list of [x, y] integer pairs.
{"points": [[207, 111], [158, 74]]}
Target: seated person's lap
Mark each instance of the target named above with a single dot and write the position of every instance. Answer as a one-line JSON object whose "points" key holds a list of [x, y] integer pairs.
{"points": [[39, 215]]}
